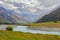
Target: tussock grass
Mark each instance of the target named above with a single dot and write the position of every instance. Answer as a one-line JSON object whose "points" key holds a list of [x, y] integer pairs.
{"points": [[9, 35], [46, 24]]}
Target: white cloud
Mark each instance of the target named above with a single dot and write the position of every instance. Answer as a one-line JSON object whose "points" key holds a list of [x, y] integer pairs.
{"points": [[30, 6], [1, 2], [8, 5]]}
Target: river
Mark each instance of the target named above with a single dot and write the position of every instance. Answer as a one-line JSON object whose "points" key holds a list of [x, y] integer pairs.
{"points": [[55, 31], [33, 30]]}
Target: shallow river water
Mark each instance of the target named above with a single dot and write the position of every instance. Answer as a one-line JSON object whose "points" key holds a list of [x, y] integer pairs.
{"points": [[41, 31], [55, 31]]}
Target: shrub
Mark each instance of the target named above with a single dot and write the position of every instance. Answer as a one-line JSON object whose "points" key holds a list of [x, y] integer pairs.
{"points": [[9, 28], [55, 21]]}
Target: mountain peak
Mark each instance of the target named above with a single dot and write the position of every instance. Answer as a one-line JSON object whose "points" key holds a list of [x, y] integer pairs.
{"points": [[7, 16], [53, 16], [33, 7]]}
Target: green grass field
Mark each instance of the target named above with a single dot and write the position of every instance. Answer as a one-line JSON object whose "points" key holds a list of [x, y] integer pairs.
{"points": [[46, 24], [9, 35]]}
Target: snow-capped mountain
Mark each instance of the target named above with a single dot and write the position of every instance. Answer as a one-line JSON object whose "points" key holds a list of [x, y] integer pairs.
{"points": [[8, 16], [31, 10]]}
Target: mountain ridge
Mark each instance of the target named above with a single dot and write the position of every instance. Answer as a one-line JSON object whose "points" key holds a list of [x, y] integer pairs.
{"points": [[53, 16], [8, 16]]}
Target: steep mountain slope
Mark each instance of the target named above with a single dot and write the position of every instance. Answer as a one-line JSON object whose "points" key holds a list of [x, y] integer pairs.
{"points": [[8, 16], [53, 16], [34, 9]]}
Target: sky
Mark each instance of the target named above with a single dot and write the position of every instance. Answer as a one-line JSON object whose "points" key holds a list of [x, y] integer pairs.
{"points": [[31, 7]]}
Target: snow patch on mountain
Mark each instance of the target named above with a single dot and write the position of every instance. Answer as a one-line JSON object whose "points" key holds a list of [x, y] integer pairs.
{"points": [[37, 8]]}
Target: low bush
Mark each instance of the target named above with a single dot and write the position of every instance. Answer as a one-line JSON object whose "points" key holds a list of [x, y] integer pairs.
{"points": [[9, 28]]}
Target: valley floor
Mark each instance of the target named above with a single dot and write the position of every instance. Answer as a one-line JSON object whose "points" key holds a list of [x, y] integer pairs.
{"points": [[46, 24], [9, 35]]}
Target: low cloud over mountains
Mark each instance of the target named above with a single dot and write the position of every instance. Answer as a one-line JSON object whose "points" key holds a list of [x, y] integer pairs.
{"points": [[34, 9]]}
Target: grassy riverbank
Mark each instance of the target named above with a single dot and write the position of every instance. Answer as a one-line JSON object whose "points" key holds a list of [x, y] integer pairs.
{"points": [[46, 24], [9, 35]]}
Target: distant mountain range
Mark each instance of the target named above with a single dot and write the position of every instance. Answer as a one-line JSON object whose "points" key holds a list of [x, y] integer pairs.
{"points": [[8, 16], [25, 11], [53, 16], [34, 9]]}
